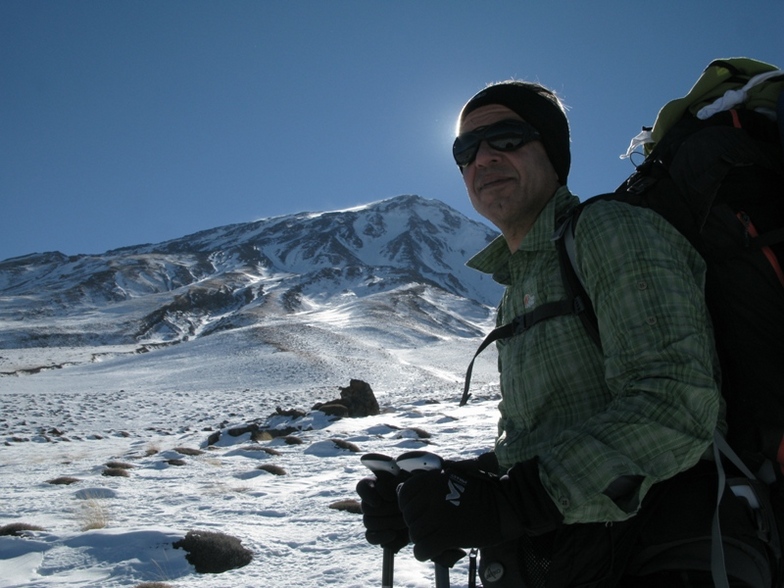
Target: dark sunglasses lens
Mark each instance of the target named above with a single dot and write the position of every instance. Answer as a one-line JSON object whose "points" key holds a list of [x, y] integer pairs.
{"points": [[465, 148], [507, 142], [503, 136]]}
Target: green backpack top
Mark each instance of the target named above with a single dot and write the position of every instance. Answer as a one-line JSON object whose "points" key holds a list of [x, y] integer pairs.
{"points": [[724, 84]]}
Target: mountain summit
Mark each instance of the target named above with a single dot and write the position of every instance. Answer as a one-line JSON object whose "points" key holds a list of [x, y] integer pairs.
{"points": [[397, 263]]}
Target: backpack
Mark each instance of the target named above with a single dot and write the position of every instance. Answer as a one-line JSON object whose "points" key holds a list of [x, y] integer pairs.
{"points": [[714, 169]]}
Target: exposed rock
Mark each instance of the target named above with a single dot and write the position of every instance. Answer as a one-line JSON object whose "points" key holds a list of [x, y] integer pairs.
{"points": [[357, 400], [236, 432], [213, 553], [269, 434], [292, 412], [333, 409]]}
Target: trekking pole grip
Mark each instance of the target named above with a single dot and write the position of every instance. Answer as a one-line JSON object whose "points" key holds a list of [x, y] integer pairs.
{"points": [[383, 465], [421, 461]]}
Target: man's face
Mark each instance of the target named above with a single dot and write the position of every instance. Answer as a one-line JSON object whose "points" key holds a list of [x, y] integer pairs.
{"points": [[509, 188]]}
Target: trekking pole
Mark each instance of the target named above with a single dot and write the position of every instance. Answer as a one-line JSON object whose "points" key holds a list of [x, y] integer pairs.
{"points": [[420, 461], [381, 465]]}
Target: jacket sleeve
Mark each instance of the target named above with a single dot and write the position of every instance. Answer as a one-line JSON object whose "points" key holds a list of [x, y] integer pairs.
{"points": [[646, 283]]}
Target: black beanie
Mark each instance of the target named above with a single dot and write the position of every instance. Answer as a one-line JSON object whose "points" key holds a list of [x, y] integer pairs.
{"points": [[538, 106]]}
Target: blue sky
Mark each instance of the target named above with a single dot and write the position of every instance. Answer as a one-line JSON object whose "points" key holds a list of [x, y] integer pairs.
{"points": [[129, 122]]}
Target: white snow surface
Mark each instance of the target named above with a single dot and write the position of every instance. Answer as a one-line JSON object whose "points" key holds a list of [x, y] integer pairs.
{"points": [[114, 404]]}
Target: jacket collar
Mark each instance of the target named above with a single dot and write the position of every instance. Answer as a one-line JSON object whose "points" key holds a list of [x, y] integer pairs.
{"points": [[494, 258]]}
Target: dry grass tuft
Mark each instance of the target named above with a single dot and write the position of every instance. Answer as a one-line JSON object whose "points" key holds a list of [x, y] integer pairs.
{"points": [[63, 480], [117, 472], [188, 451], [267, 450], [119, 465], [421, 433], [17, 529], [347, 445], [348, 505], [93, 514], [272, 469], [261, 436], [151, 450]]}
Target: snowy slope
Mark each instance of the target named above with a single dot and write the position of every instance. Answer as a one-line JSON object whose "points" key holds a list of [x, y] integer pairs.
{"points": [[317, 313]]}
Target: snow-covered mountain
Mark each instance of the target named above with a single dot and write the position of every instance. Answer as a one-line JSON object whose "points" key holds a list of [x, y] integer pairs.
{"points": [[396, 265], [165, 346]]}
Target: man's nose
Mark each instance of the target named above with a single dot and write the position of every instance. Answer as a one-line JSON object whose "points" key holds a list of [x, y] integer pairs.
{"points": [[485, 154]]}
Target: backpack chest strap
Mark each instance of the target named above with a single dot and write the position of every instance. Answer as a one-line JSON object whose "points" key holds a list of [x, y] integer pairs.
{"points": [[520, 324]]}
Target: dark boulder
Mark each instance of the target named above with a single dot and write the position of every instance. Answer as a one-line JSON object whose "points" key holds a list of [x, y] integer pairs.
{"points": [[357, 400]]}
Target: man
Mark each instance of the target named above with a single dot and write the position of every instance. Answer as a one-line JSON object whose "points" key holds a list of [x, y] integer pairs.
{"points": [[599, 451]]}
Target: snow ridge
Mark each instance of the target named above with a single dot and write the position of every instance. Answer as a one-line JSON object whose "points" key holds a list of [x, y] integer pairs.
{"points": [[405, 254]]}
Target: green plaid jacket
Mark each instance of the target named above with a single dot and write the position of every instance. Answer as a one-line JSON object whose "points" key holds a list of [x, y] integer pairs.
{"points": [[647, 403]]}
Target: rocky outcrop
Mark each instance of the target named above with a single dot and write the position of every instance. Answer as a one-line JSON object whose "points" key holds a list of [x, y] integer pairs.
{"points": [[357, 400]]}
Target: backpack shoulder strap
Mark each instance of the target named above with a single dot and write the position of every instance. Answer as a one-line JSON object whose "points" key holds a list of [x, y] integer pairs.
{"points": [[519, 324], [572, 280], [576, 301]]}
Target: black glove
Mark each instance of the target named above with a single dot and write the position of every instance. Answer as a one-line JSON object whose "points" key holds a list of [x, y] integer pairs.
{"points": [[384, 524], [485, 462], [462, 508]]}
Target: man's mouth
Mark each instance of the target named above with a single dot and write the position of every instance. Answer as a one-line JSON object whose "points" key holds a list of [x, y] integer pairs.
{"points": [[491, 182]]}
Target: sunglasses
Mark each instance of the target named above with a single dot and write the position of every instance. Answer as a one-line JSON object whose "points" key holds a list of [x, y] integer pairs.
{"points": [[507, 135]]}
